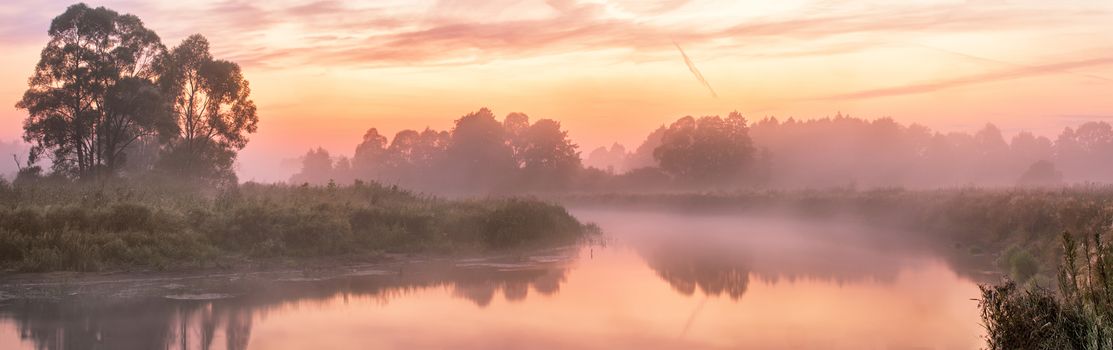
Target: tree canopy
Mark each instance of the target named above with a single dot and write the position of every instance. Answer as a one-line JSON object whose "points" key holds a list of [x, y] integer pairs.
{"points": [[105, 86], [708, 150], [211, 103], [91, 95]]}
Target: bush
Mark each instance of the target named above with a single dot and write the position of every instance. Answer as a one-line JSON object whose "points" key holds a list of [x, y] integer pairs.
{"points": [[516, 223], [1032, 319], [1079, 317], [1019, 264]]}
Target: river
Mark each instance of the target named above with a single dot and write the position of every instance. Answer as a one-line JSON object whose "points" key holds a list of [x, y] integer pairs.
{"points": [[655, 281]]}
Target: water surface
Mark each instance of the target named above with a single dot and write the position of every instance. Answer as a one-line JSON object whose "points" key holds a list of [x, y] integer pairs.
{"points": [[659, 281]]}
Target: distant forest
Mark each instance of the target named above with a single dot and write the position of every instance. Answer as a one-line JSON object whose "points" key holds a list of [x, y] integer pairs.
{"points": [[483, 155]]}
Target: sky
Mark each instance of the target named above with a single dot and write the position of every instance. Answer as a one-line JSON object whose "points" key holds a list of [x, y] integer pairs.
{"points": [[323, 72]]}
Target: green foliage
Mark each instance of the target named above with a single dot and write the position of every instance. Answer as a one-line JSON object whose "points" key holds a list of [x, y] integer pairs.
{"points": [[83, 227], [1019, 264]]}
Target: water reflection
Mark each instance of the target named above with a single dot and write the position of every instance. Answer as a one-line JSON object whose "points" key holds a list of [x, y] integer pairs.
{"points": [[713, 271], [662, 282], [224, 320], [718, 256]]}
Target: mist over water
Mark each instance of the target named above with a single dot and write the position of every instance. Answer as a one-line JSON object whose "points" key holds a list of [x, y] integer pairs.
{"points": [[658, 280]]}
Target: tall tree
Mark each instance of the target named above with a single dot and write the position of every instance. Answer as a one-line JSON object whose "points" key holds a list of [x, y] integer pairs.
{"points": [[211, 102], [516, 125], [91, 96], [549, 158], [369, 155], [708, 150], [478, 153], [316, 168]]}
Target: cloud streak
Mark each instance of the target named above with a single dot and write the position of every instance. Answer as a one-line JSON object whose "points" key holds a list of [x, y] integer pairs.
{"points": [[1017, 73], [1004, 63], [461, 32], [452, 32]]}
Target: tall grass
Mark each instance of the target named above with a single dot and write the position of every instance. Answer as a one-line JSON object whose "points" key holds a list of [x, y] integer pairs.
{"points": [[1079, 316], [67, 226]]}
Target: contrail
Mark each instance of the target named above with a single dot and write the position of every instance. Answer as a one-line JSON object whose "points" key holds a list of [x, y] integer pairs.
{"points": [[695, 71]]}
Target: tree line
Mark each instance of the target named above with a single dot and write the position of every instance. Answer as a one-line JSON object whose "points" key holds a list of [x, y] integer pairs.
{"points": [[843, 151], [480, 154], [108, 98], [483, 154]]}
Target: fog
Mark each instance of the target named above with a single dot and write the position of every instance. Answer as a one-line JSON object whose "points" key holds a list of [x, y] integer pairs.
{"points": [[772, 245]]}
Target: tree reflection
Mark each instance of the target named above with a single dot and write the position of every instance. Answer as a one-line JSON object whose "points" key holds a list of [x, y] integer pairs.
{"points": [[718, 265], [713, 271], [158, 323]]}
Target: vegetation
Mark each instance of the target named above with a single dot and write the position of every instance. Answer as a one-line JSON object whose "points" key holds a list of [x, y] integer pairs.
{"points": [[479, 155], [843, 151], [715, 153], [106, 91], [1079, 316], [85, 227]]}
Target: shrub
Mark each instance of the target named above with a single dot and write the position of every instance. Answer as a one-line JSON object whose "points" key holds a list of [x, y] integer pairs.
{"points": [[1019, 264], [127, 217], [515, 223], [1079, 317], [1032, 319]]}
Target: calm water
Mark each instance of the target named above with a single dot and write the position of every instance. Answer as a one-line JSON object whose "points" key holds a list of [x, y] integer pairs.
{"points": [[659, 282]]}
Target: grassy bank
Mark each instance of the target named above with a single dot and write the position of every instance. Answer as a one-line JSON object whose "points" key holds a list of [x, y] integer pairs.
{"points": [[88, 227]]}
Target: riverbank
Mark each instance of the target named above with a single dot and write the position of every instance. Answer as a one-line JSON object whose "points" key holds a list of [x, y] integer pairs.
{"points": [[63, 226], [246, 279]]}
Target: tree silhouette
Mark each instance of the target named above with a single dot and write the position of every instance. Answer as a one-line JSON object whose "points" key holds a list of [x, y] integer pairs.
{"points": [[549, 158], [1041, 174], [708, 150], [91, 95], [612, 160], [316, 168], [516, 125], [211, 102], [370, 154], [478, 153]]}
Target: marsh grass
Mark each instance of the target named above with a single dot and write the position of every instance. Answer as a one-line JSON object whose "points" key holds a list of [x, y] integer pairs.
{"points": [[1079, 316], [88, 227]]}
